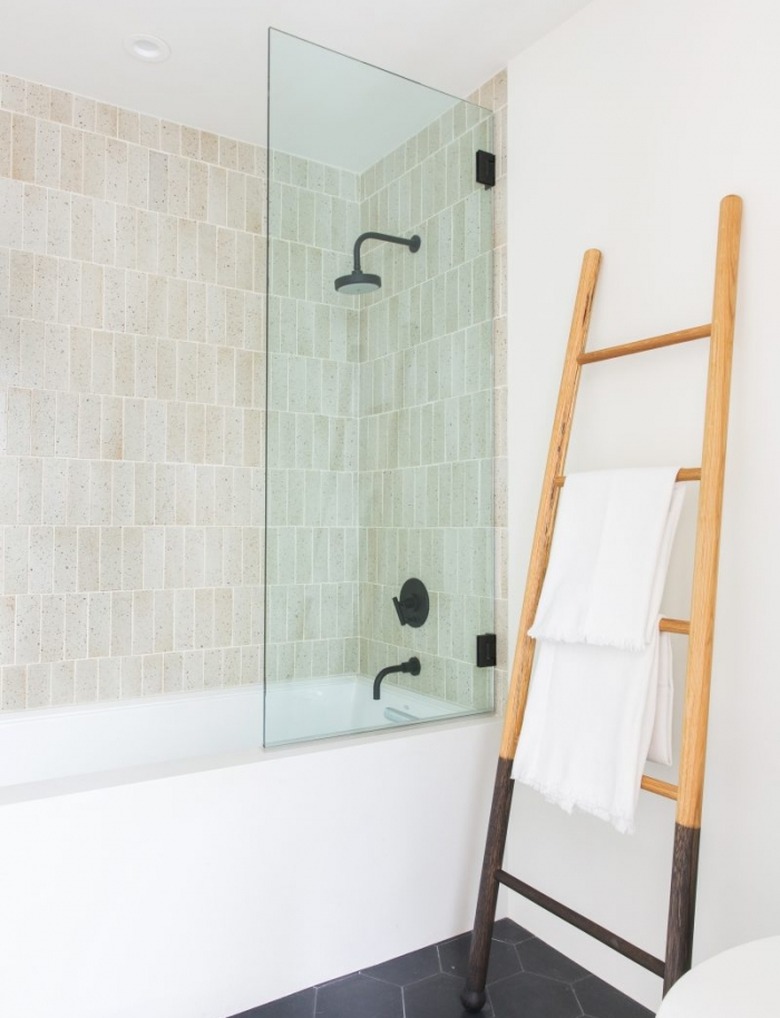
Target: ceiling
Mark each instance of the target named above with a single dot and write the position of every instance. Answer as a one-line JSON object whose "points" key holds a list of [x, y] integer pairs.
{"points": [[339, 111], [215, 78]]}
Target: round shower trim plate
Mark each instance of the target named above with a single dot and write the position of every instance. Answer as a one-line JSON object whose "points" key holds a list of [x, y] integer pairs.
{"points": [[150, 49]]}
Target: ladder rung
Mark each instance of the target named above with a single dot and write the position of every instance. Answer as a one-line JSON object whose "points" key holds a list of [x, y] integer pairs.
{"points": [[617, 943], [652, 343], [689, 474], [680, 626], [664, 788], [684, 474]]}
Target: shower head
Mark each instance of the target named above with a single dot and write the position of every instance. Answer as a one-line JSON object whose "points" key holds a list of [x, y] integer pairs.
{"points": [[364, 282], [358, 282]]}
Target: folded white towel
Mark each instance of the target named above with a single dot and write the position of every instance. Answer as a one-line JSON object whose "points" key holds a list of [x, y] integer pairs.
{"points": [[587, 726], [602, 667], [660, 749], [608, 562]]}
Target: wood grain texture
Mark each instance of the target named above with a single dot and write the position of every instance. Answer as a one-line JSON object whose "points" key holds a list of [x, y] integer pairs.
{"points": [[705, 570], [679, 626], [682, 899], [657, 787], [682, 903], [473, 995], [593, 929], [683, 474], [607, 353], [545, 520]]}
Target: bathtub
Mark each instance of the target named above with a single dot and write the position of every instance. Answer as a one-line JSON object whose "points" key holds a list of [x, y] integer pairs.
{"points": [[61, 742], [207, 886], [342, 705]]}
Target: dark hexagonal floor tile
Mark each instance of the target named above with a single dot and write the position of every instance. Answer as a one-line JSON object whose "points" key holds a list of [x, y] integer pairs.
{"points": [[438, 997], [600, 1000], [526, 979], [297, 1005], [510, 932], [409, 968], [454, 955], [530, 996], [359, 995], [536, 956]]}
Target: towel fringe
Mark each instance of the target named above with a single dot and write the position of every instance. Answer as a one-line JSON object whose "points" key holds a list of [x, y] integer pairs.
{"points": [[556, 797]]}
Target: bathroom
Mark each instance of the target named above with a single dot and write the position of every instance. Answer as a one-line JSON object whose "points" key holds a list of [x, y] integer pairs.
{"points": [[158, 893]]}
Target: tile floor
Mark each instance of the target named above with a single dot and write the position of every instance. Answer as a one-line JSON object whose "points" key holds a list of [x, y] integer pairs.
{"points": [[526, 979]]}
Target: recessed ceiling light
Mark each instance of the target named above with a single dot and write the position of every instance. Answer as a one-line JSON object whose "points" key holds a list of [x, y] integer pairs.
{"points": [[148, 48]]}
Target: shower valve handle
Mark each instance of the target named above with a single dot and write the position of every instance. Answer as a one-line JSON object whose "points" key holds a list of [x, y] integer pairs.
{"points": [[401, 607], [412, 605]]}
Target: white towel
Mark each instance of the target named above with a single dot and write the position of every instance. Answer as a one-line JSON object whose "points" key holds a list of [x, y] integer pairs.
{"points": [[587, 726], [601, 665], [613, 538]]}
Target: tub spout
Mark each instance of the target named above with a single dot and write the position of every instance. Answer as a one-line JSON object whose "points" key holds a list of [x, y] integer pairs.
{"points": [[412, 666]]}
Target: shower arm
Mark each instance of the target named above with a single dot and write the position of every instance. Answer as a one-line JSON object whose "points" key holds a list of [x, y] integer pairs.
{"points": [[413, 243]]}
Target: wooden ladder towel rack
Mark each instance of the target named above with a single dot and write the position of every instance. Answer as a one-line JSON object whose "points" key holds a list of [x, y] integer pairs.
{"points": [[699, 629]]}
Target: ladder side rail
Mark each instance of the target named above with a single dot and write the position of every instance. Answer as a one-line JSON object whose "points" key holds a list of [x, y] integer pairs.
{"points": [[705, 582], [545, 520], [473, 995]]}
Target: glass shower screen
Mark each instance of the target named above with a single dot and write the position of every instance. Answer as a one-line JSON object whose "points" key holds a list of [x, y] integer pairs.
{"points": [[379, 486]]}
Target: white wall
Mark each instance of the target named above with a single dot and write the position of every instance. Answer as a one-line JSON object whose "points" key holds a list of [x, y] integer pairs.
{"points": [[204, 894], [626, 127]]}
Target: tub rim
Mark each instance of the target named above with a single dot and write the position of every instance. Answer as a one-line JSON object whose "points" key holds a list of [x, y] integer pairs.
{"points": [[140, 773]]}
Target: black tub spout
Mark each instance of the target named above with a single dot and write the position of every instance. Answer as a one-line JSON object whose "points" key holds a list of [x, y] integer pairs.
{"points": [[412, 666]]}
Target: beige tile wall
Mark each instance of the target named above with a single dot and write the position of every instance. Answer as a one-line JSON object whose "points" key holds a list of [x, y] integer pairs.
{"points": [[132, 275], [426, 409], [132, 366], [312, 424]]}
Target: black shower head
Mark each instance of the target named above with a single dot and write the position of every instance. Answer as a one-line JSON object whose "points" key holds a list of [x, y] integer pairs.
{"points": [[364, 282], [358, 282]]}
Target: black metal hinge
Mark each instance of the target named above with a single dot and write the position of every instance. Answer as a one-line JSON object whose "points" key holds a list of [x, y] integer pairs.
{"points": [[486, 168], [486, 650]]}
